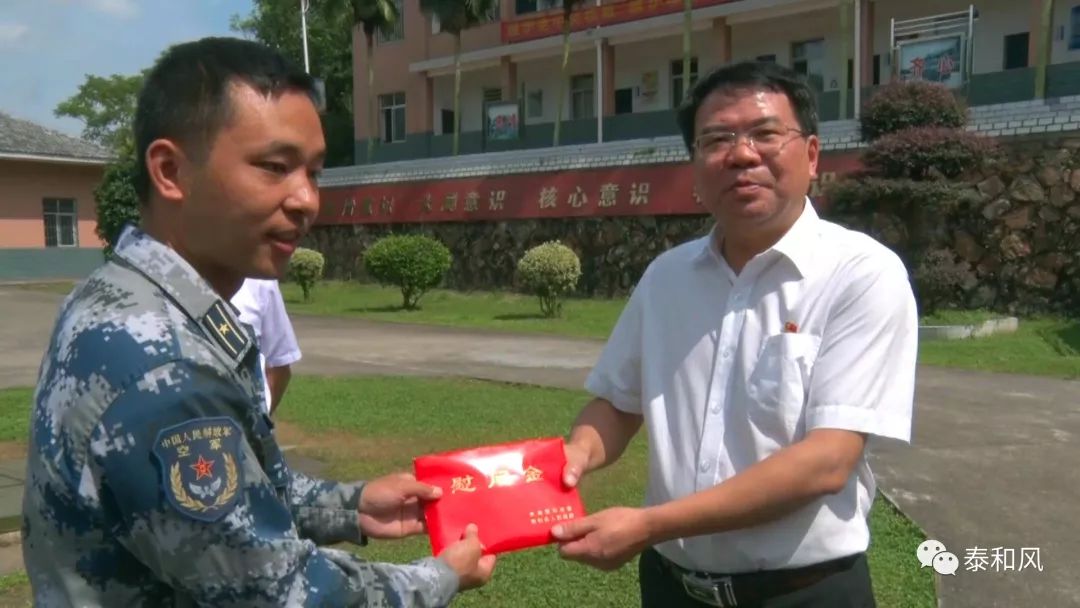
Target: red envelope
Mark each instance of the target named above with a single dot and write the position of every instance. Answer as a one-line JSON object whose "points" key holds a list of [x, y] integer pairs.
{"points": [[513, 492]]}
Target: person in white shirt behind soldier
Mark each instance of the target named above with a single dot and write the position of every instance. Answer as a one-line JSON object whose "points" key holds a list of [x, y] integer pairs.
{"points": [[763, 360], [262, 306]]}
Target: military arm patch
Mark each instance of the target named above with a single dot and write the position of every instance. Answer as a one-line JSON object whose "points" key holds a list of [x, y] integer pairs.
{"points": [[200, 466]]}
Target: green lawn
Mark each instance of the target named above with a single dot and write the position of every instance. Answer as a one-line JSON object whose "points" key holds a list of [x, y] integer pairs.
{"points": [[1042, 346], [364, 427], [591, 318], [1045, 346], [15, 413]]}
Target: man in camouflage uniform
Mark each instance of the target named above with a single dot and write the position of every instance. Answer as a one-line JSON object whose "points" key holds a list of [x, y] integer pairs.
{"points": [[154, 477]]}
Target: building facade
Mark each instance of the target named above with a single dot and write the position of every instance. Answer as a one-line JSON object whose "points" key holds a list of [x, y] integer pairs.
{"points": [[626, 70], [47, 209]]}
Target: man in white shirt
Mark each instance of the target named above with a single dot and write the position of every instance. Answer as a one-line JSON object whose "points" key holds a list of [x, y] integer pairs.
{"points": [[261, 305], [761, 360]]}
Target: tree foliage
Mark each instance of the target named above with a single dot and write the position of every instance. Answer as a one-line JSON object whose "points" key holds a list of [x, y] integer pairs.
{"points": [[306, 269], [905, 105], [106, 105], [276, 23], [549, 271], [414, 263], [456, 16], [117, 202], [928, 152]]}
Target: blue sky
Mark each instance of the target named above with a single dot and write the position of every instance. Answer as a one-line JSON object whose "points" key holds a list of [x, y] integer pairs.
{"points": [[47, 47]]}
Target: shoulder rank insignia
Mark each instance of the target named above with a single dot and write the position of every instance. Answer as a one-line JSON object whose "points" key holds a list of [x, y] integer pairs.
{"points": [[200, 466], [226, 330]]}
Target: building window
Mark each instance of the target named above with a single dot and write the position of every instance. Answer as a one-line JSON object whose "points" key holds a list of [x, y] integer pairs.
{"points": [[524, 7], [678, 82], [582, 97], [1016, 51], [61, 223], [447, 117], [398, 31], [624, 101], [534, 103], [876, 77], [1074, 28], [808, 59], [392, 110], [766, 58]]}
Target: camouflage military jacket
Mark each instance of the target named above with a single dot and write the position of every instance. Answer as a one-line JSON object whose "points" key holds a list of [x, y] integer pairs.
{"points": [[154, 478]]}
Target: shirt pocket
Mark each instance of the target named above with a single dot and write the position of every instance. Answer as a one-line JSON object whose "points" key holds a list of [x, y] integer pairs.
{"points": [[780, 379]]}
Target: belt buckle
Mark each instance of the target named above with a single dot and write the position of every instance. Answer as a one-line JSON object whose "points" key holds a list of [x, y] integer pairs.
{"points": [[714, 591]]}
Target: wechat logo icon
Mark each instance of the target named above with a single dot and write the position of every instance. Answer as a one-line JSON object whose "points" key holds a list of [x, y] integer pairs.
{"points": [[932, 554]]}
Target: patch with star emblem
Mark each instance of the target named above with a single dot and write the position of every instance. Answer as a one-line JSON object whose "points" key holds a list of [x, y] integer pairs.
{"points": [[223, 326], [200, 466]]}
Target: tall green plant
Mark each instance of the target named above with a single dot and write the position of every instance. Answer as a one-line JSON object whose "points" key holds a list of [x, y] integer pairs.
{"points": [[687, 44], [568, 7], [456, 16]]}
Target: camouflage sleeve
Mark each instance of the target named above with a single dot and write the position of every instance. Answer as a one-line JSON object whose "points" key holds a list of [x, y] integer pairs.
{"points": [[326, 511], [185, 493]]}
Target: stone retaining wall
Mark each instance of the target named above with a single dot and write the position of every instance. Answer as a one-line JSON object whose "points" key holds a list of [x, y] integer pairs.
{"points": [[1017, 245]]}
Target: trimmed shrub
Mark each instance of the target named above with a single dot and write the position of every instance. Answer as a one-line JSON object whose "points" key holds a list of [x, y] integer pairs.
{"points": [[926, 152], [865, 195], [549, 271], [306, 269], [938, 279], [904, 105], [413, 263], [117, 202]]}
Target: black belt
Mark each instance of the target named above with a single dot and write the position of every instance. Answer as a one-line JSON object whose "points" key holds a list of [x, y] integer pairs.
{"points": [[727, 590]]}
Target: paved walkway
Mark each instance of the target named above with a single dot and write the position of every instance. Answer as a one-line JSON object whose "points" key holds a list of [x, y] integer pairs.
{"points": [[991, 464]]}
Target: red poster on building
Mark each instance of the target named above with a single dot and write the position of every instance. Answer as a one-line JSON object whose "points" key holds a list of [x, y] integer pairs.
{"points": [[611, 191], [549, 23]]}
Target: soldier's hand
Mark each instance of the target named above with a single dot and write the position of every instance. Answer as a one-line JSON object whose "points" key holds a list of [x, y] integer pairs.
{"points": [[467, 558], [392, 507]]}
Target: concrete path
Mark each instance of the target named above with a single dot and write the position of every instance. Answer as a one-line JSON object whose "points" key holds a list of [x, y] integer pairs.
{"points": [[990, 468]]}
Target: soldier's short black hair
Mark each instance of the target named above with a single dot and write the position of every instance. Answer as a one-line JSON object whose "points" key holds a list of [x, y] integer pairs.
{"points": [[185, 96], [750, 75]]}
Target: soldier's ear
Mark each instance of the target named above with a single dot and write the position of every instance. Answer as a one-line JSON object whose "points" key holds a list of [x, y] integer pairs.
{"points": [[167, 166]]}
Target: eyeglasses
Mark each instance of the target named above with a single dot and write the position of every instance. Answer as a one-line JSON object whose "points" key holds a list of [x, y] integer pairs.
{"points": [[766, 141]]}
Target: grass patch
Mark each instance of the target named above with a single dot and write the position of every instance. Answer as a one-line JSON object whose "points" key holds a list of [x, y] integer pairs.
{"points": [[15, 405], [1041, 346], [959, 317], [57, 287], [503, 311], [15, 590]]}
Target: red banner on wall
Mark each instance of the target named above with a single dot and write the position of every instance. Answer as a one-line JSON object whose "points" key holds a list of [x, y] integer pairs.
{"points": [[549, 23], [611, 191]]}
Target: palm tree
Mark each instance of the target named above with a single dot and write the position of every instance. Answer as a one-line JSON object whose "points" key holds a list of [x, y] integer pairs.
{"points": [[456, 16], [372, 16], [568, 7], [687, 45]]}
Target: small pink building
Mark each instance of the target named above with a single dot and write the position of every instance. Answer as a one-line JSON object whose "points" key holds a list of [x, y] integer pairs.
{"points": [[47, 207]]}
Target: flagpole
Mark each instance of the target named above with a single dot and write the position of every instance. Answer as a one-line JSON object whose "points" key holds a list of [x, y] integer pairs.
{"points": [[303, 29]]}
